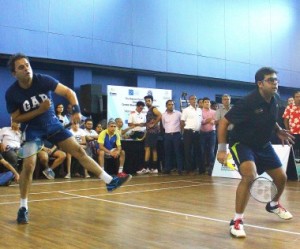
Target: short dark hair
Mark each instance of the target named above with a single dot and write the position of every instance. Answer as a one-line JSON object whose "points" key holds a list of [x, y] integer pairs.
{"points": [[148, 97], [206, 98], [13, 58], [296, 93], [170, 100], [260, 74], [87, 120], [140, 103]]}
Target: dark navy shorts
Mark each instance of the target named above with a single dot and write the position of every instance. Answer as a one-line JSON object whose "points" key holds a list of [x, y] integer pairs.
{"points": [[265, 157], [53, 131], [151, 140]]}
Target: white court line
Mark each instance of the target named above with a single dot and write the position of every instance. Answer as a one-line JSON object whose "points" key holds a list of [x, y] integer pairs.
{"points": [[181, 214]]}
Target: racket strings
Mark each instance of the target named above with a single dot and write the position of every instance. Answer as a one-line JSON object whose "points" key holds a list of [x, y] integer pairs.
{"points": [[263, 190]]}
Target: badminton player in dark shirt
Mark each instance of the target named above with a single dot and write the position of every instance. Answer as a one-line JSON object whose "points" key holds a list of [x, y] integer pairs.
{"points": [[29, 102], [254, 119]]}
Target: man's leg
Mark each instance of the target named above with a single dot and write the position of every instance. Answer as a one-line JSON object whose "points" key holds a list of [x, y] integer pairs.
{"points": [[71, 146], [24, 185]]}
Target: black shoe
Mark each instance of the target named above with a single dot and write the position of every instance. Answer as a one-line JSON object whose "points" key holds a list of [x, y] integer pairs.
{"points": [[117, 182], [22, 216], [166, 172]]}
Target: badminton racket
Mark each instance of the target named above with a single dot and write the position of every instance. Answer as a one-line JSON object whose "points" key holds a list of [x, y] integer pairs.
{"points": [[261, 189]]}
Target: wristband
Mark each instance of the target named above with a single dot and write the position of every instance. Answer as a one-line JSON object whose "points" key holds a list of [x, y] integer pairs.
{"points": [[75, 109], [222, 147]]}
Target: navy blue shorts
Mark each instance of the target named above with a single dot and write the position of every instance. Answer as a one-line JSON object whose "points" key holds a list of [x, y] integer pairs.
{"points": [[265, 158], [151, 140], [53, 131]]}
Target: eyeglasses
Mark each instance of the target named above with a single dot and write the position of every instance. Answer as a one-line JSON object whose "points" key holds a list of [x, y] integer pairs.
{"points": [[273, 81]]}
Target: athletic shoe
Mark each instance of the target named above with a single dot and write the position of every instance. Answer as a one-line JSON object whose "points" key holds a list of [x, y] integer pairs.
{"points": [[121, 174], [153, 171], [237, 228], [67, 176], [22, 216], [280, 211], [143, 171], [87, 176], [49, 173], [117, 182]]}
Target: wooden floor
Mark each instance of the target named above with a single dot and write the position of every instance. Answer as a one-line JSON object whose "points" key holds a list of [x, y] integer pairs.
{"points": [[150, 212]]}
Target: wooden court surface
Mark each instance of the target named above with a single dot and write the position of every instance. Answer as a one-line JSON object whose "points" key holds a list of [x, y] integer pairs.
{"points": [[149, 212]]}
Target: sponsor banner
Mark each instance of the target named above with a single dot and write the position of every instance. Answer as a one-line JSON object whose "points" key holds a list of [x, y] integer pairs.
{"points": [[121, 101]]}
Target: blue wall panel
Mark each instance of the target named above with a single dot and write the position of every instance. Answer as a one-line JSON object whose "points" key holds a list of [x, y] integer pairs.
{"points": [[182, 26], [149, 23], [17, 40], [211, 67], [25, 14], [112, 54], [63, 47], [112, 20], [211, 29], [70, 17], [182, 63], [149, 59], [237, 31], [237, 71]]}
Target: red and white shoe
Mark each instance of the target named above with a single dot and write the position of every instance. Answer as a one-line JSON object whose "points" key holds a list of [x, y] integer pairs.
{"points": [[237, 228]]}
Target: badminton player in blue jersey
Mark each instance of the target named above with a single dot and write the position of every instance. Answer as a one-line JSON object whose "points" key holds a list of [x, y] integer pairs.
{"points": [[29, 102]]}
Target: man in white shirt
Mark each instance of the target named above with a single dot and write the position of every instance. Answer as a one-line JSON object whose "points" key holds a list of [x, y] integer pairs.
{"points": [[10, 139], [137, 121], [191, 119]]}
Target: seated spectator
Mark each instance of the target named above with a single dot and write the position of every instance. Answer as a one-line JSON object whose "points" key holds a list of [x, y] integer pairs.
{"points": [[8, 175], [110, 147], [122, 132], [98, 128], [50, 151], [59, 113], [10, 139], [79, 135], [91, 138]]}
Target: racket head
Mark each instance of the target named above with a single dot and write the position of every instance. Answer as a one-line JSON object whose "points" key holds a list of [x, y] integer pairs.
{"points": [[263, 189], [30, 148]]}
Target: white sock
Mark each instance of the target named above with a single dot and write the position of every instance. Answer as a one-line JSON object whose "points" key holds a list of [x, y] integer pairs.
{"points": [[274, 203], [24, 203], [238, 216], [105, 177], [121, 169]]}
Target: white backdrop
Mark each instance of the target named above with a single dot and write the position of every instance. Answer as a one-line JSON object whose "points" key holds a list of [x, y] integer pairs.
{"points": [[122, 100]]}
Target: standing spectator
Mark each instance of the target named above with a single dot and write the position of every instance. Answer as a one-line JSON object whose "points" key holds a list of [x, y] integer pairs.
{"points": [[172, 138], [223, 109], [191, 119], [200, 103], [207, 137], [152, 128], [291, 121], [59, 109], [10, 139], [290, 101], [137, 121], [110, 147]]}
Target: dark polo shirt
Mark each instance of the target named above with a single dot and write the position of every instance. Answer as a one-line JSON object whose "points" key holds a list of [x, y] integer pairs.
{"points": [[254, 120]]}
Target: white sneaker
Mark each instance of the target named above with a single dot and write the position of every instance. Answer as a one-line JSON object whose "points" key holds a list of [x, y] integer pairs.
{"points": [[67, 176], [280, 211], [153, 171], [143, 171], [237, 228]]}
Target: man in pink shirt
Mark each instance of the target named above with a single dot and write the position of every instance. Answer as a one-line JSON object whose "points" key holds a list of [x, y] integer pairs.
{"points": [[172, 138], [207, 136]]}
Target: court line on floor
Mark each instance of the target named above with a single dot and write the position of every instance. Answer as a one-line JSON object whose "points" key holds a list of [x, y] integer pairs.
{"points": [[181, 214]]}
